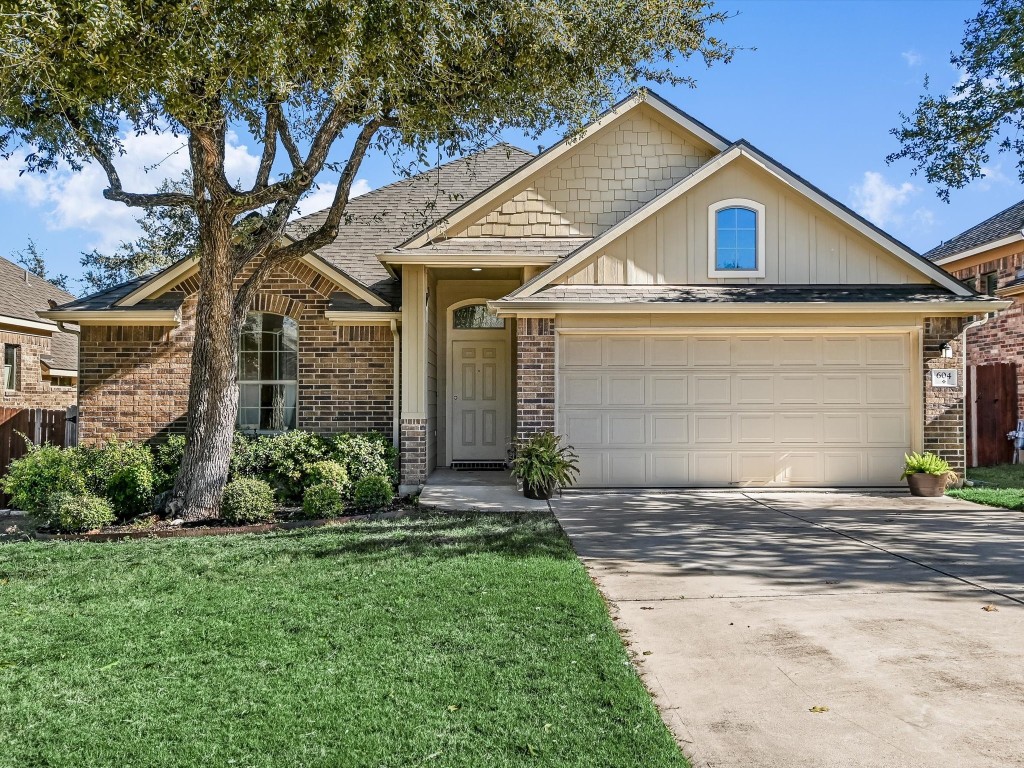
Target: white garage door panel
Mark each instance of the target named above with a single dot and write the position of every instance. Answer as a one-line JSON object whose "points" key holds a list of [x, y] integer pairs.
{"points": [[786, 409]]}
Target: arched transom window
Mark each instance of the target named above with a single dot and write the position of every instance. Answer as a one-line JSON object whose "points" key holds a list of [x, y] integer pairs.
{"points": [[268, 365], [475, 316], [736, 239]]}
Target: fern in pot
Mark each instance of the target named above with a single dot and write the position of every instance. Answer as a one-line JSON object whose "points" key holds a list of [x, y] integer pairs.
{"points": [[544, 466], [927, 474]]}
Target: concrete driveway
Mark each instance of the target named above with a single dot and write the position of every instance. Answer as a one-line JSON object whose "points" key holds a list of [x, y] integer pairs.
{"points": [[747, 610]]}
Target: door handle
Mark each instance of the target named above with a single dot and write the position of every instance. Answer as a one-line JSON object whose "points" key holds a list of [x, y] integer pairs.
{"points": [[455, 397]]}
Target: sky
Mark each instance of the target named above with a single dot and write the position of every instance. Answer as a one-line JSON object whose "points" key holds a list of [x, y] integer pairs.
{"points": [[818, 86]]}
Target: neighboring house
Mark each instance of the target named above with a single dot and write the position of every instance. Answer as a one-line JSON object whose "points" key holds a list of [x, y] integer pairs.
{"points": [[990, 258], [684, 309], [40, 360]]}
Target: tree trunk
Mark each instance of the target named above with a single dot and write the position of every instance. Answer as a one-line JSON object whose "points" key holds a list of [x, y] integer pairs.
{"points": [[213, 387]]}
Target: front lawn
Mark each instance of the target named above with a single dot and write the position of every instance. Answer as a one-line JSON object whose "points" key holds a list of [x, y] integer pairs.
{"points": [[998, 486], [430, 640]]}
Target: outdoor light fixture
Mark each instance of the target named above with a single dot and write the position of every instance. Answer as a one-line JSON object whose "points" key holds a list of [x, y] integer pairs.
{"points": [[947, 350]]}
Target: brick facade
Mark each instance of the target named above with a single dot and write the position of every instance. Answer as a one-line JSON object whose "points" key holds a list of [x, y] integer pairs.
{"points": [[535, 376], [1001, 338], [944, 413], [134, 379], [414, 452], [34, 389]]}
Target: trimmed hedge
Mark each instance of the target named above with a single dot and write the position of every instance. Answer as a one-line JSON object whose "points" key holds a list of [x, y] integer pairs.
{"points": [[247, 500], [373, 492], [322, 500]]}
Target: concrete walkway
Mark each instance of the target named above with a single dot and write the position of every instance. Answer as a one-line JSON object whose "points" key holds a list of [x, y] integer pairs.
{"points": [[747, 611], [476, 491]]}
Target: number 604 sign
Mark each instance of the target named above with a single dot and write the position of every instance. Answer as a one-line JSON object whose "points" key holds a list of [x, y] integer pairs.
{"points": [[945, 378]]}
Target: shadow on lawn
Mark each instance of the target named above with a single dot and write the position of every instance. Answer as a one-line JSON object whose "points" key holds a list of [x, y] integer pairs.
{"points": [[450, 535]]}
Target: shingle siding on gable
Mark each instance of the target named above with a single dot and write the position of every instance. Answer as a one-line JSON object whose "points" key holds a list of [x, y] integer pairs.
{"points": [[135, 379], [597, 184]]}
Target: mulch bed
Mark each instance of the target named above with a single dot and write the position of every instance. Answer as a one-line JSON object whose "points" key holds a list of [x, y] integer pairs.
{"points": [[163, 529]]}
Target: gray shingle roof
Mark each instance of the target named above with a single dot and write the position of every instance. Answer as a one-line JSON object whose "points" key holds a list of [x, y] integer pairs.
{"points": [[107, 298], [556, 247], [738, 294], [387, 217], [23, 296], [1002, 225], [63, 352]]}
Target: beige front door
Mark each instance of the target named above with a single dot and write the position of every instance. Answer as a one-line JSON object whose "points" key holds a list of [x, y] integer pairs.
{"points": [[479, 400]]}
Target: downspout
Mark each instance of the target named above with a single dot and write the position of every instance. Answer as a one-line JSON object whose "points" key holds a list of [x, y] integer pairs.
{"points": [[396, 385]]}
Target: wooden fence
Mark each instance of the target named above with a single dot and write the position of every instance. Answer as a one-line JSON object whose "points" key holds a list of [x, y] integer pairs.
{"points": [[991, 413], [39, 426]]}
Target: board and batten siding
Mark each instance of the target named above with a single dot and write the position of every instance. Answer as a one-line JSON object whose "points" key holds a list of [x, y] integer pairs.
{"points": [[599, 182], [804, 244]]}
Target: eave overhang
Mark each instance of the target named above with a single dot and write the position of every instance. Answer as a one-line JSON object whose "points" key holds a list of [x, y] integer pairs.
{"points": [[165, 317], [549, 308]]}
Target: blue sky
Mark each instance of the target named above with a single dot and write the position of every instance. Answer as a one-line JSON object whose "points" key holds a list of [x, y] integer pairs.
{"points": [[820, 92]]}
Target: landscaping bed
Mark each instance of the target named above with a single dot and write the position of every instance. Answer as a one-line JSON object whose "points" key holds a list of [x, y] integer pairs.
{"points": [[427, 640]]}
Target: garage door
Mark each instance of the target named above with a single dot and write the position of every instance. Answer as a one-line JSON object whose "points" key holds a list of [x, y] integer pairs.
{"points": [[720, 410]]}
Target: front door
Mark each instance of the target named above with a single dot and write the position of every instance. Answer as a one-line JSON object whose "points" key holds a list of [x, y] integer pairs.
{"points": [[479, 399]]}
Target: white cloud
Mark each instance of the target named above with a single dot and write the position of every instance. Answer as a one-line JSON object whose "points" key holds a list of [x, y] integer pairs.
{"points": [[912, 57], [992, 175], [879, 201], [75, 200], [323, 196]]}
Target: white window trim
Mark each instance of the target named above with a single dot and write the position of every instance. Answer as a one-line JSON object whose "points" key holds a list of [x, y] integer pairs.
{"points": [[735, 202]]}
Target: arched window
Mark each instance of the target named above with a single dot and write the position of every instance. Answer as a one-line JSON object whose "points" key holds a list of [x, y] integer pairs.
{"points": [[736, 239], [476, 316], [268, 365]]}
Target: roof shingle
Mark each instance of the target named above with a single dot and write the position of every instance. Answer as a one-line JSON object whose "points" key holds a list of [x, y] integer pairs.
{"points": [[1002, 225]]}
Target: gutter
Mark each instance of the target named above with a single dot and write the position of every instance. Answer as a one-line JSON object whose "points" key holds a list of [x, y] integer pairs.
{"points": [[951, 309]]}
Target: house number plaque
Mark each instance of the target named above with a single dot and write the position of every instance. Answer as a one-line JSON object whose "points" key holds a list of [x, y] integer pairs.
{"points": [[945, 377]]}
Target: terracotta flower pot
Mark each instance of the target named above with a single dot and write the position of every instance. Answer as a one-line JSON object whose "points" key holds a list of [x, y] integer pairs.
{"points": [[923, 484], [539, 493]]}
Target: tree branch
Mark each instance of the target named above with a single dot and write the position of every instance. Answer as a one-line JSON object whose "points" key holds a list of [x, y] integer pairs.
{"points": [[269, 147], [322, 235]]}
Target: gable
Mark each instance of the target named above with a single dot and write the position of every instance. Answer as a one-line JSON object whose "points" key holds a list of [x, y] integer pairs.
{"points": [[598, 182], [805, 244]]}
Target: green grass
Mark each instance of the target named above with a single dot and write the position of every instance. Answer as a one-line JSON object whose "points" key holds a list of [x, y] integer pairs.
{"points": [[427, 641], [998, 486]]}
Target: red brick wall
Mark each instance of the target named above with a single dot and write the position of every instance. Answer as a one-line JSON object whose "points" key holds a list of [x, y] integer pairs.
{"points": [[535, 376], [135, 379], [34, 389], [1001, 338], [944, 415]]}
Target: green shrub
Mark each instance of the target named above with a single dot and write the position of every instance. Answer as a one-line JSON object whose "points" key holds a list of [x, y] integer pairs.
{"points": [[122, 473], [330, 472], [363, 454], [322, 500], [44, 470], [373, 492], [247, 500], [72, 512], [167, 458], [284, 460]]}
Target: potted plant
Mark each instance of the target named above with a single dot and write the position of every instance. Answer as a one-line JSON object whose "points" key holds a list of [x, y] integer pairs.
{"points": [[927, 474], [544, 466]]}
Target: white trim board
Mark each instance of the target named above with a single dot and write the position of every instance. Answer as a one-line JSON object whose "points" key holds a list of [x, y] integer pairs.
{"points": [[1014, 238]]}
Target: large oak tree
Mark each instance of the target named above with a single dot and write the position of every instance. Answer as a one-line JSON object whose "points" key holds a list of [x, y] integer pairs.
{"points": [[950, 136], [311, 81]]}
